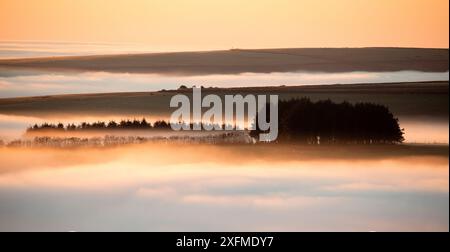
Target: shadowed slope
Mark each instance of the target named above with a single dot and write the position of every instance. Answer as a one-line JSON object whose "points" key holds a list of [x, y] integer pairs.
{"points": [[404, 99]]}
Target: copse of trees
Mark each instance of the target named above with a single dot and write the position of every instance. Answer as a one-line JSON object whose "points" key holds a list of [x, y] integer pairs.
{"points": [[326, 122]]}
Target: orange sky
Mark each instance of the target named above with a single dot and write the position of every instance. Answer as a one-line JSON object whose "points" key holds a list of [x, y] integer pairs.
{"points": [[214, 24]]}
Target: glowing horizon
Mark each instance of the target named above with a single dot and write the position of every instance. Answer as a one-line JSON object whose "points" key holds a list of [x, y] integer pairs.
{"points": [[171, 25]]}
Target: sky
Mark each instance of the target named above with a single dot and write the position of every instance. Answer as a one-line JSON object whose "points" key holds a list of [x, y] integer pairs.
{"points": [[224, 24]]}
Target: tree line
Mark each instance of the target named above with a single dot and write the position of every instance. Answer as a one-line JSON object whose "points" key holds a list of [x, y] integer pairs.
{"points": [[112, 125]]}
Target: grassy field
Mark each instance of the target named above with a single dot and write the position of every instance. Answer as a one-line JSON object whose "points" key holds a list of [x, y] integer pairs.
{"points": [[417, 100], [257, 61]]}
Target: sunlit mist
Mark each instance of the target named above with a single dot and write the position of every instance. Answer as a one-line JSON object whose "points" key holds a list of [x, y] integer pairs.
{"points": [[157, 188]]}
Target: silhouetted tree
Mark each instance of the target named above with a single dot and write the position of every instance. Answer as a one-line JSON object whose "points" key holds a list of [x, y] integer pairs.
{"points": [[144, 124], [71, 127], [161, 125], [112, 125]]}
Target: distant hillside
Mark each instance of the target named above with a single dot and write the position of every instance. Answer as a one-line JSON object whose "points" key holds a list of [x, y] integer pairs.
{"points": [[420, 99], [258, 60]]}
